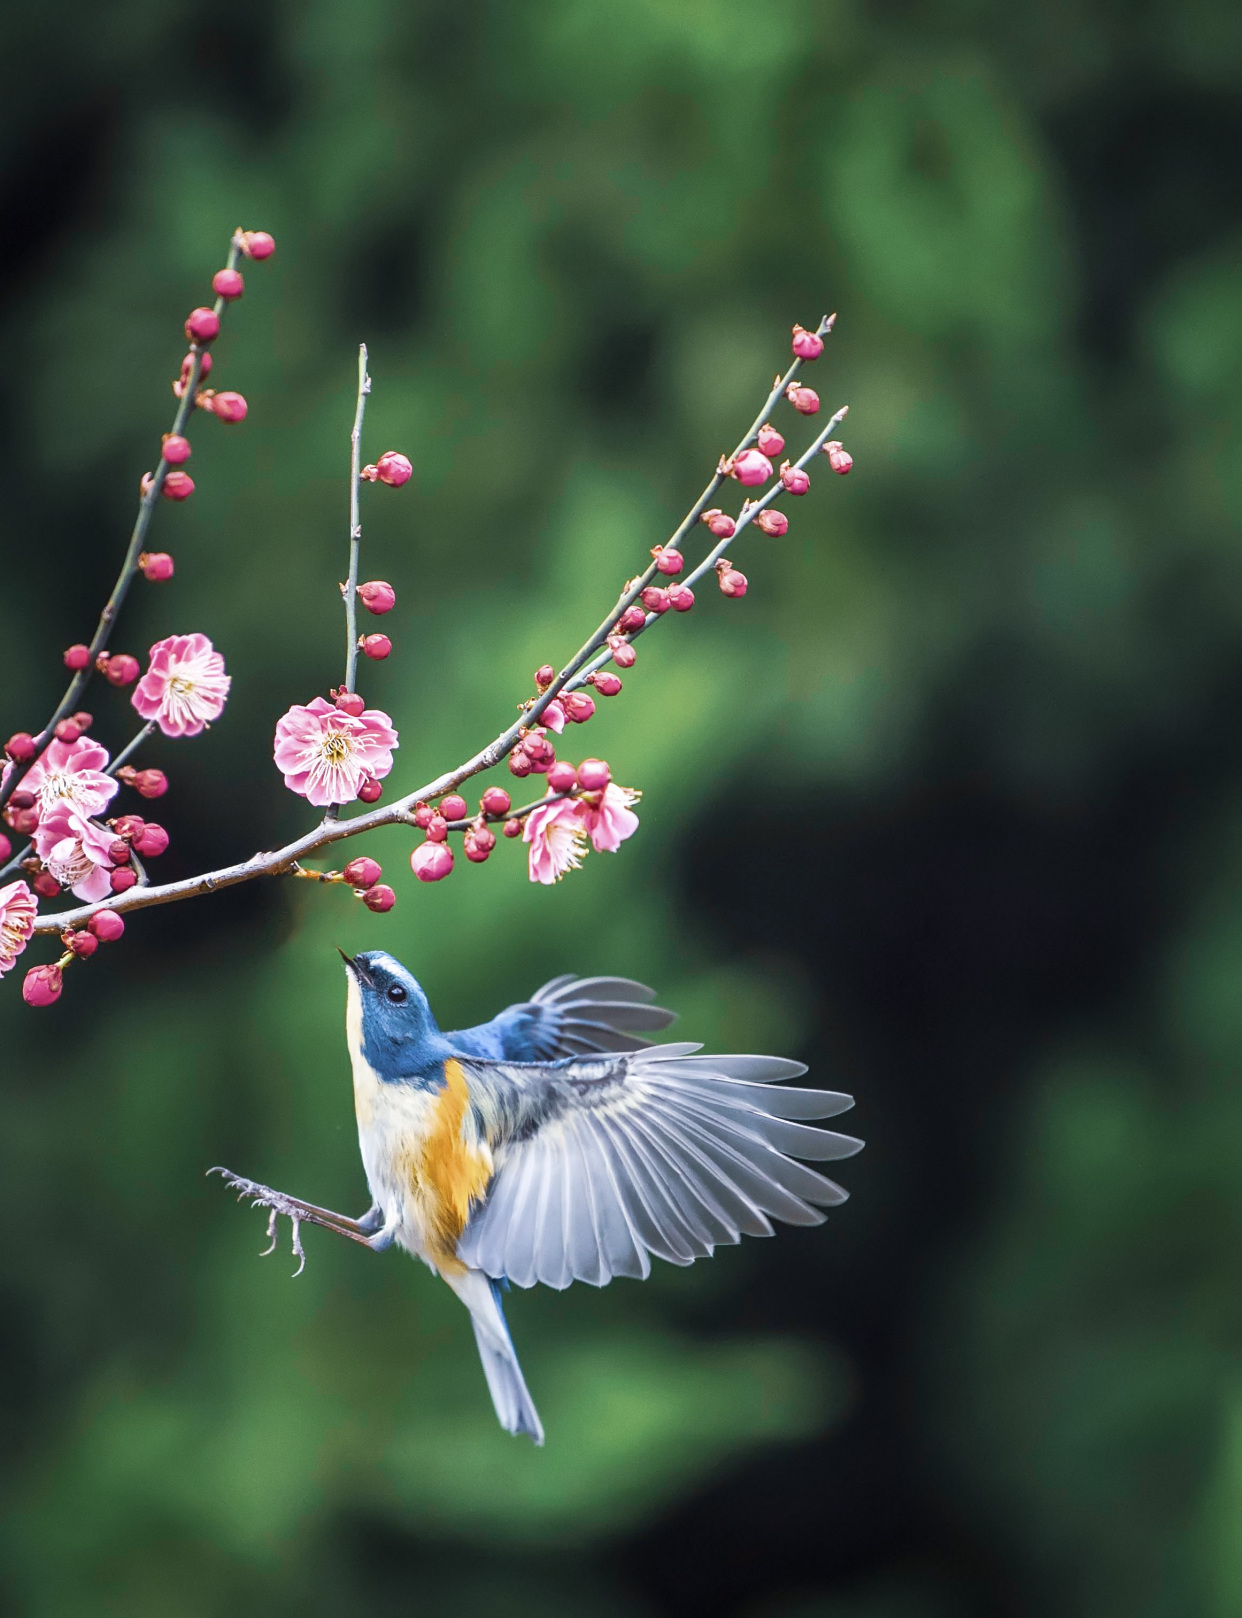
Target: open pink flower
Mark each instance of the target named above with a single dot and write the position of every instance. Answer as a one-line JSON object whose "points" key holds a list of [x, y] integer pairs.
{"points": [[75, 851], [71, 773], [612, 821], [557, 840], [558, 832], [185, 685], [17, 918], [325, 754]]}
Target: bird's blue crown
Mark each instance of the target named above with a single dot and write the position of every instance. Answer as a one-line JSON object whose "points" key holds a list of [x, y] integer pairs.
{"points": [[400, 1037]]}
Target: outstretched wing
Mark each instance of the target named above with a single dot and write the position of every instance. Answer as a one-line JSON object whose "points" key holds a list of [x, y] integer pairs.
{"points": [[602, 1163], [570, 1016]]}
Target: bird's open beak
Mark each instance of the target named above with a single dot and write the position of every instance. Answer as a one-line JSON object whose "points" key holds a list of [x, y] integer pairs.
{"points": [[356, 967]]}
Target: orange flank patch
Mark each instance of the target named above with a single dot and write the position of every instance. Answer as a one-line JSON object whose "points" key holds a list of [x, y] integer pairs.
{"points": [[451, 1173]]}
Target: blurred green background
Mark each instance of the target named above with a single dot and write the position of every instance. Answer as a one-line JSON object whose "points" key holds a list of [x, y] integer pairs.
{"points": [[949, 805]]}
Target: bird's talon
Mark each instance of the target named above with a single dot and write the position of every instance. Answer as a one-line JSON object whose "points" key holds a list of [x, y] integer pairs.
{"points": [[271, 1232], [297, 1246]]}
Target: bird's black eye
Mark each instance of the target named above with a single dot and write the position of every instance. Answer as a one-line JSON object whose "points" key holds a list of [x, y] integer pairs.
{"points": [[396, 992]]}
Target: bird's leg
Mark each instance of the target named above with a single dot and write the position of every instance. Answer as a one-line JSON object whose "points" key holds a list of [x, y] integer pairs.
{"points": [[363, 1231]]}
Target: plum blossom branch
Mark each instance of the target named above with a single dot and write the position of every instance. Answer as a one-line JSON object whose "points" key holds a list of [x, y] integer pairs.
{"points": [[355, 523], [196, 363], [589, 658]]}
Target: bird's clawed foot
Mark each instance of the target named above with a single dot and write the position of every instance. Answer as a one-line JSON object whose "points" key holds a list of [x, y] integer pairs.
{"points": [[296, 1211]]}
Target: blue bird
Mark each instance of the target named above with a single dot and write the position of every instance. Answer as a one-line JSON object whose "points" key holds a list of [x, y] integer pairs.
{"points": [[554, 1145]]}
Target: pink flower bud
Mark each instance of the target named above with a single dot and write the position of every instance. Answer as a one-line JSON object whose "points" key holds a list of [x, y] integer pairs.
{"points": [[804, 400], [130, 826], [544, 676], [363, 872], [513, 828], [20, 747], [178, 486], [122, 878], [839, 458], [437, 828], [553, 716], [454, 807], [227, 407], [667, 560], [228, 284], [156, 566], [807, 345], [377, 597], [22, 799], [519, 764], [732, 583], [751, 468], [42, 986], [83, 945], [770, 441], [655, 598], [538, 748], [24, 821], [393, 468], [68, 730], [719, 523], [351, 703], [478, 843], [187, 371], [495, 801], [376, 647], [77, 657], [424, 814], [202, 325], [682, 597], [431, 862], [795, 479], [151, 783], [175, 449], [371, 790], [632, 618], [593, 775], [118, 851], [122, 669], [45, 885], [107, 926], [379, 898], [623, 654], [83, 720], [257, 244], [608, 685], [562, 777], [151, 841], [579, 705], [772, 522], [6, 849]]}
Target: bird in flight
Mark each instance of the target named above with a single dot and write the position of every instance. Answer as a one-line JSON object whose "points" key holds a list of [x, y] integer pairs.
{"points": [[555, 1144]]}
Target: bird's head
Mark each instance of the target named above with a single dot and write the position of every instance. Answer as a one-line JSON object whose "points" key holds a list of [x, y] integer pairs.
{"points": [[389, 1016]]}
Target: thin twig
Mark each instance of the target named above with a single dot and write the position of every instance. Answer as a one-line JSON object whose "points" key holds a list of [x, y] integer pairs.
{"points": [[129, 567], [355, 523], [282, 860]]}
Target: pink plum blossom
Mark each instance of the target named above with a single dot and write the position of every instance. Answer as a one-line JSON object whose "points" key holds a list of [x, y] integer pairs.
{"points": [[17, 918], [71, 774], [553, 716], [76, 852], [557, 840], [185, 685], [610, 822], [325, 754], [558, 832]]}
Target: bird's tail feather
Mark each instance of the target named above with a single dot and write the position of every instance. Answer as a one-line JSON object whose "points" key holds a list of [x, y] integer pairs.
{"points": [[515, 1409]]}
